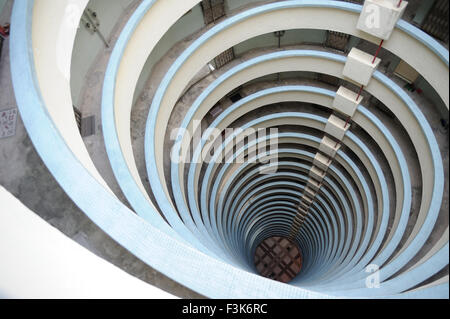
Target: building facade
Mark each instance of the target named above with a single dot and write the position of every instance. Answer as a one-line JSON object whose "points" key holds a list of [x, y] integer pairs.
{"points": [[232, 149]]}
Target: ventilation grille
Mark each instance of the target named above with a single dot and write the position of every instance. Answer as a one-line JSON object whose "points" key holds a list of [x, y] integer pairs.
{"points": [[436, 23], [337, 40], [224, 58], [212, 10]]}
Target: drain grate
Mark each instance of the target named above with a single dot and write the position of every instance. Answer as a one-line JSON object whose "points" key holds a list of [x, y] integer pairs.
{"points": [[8, 120], [279, 259]]}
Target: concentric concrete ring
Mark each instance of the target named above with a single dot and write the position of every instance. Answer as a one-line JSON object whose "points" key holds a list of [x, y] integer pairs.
{"points": [[209, 217]]}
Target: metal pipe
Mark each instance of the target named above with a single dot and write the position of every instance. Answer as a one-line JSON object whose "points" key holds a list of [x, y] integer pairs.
{"points": [[360, 91], [97, 30], [346, 122], [378, 51]]}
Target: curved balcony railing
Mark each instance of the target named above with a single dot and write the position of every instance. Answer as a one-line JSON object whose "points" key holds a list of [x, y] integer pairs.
{"points": [[216, 212]]}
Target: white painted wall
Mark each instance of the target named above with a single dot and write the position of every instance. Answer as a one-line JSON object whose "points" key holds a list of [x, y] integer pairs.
{"points": [[5, 7], [431, 95], [291, 37], [187, 25], [54, 29], [2, 4], [87, 46], [38, 261]]}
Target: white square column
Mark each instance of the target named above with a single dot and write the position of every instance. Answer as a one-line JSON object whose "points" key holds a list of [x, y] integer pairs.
{"points": [[379, 17], [312, 183], [359, 67], [307, 200], [298, 220], [329, 146], [317, 173], [304, 205], [303, 213], [322, 161], [346, 101], [296, 224], [336, 127], [310, 192]]}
